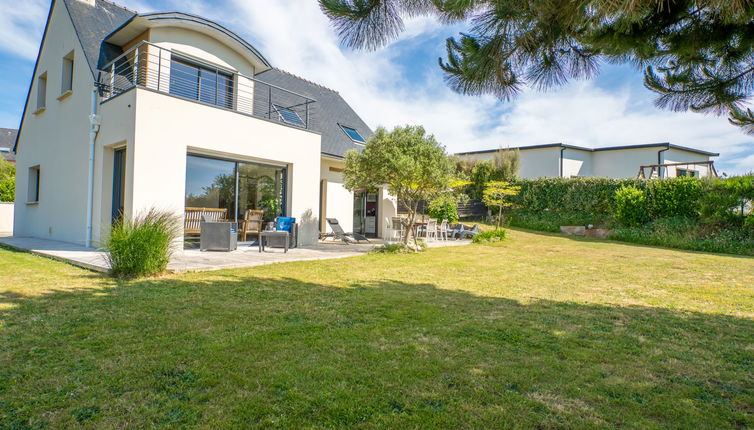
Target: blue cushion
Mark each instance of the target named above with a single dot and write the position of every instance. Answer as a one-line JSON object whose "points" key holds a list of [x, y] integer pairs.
{"points": [[285, 223]]}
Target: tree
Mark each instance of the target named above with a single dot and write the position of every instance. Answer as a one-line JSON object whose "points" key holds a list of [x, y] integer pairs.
{"points": [[7, 181], [696, 54], [412, 164], [507, 162], [499, 193]]}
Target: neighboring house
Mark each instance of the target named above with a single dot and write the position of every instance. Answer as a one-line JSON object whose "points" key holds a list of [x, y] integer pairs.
{"points": [[188, 114], [663, 160], [7, 141]]}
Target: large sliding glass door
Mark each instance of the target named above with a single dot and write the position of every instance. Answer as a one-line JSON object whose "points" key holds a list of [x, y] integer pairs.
{"points": [[365, 213], [235, 186]]}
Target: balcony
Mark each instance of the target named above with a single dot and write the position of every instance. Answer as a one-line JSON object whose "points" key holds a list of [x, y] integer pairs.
{"points": [[158, 69]]}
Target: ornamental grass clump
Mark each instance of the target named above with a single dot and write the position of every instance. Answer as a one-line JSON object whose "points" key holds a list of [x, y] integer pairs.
{"points": [[142, 246], [490, 236]]}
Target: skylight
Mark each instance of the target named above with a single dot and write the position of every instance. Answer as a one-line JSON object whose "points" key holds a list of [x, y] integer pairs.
{"points": [[289, 115], [353, 134]]}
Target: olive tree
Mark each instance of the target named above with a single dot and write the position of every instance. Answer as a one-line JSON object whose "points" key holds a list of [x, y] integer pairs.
{"points": [[410, 163]]}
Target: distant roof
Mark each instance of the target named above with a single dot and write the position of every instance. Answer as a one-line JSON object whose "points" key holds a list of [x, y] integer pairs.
{"points": [[7, 140], [329, 112], [604, 148]]}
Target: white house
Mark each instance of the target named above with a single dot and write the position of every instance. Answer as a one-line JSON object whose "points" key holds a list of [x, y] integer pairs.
{"points": [[562, 160], [130, 111]]}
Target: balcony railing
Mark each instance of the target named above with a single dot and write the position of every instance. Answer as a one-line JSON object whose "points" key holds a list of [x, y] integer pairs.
{"points": [[149, 66]]}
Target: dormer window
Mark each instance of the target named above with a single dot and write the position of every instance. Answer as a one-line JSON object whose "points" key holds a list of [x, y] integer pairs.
{"points": [[353, 134]]}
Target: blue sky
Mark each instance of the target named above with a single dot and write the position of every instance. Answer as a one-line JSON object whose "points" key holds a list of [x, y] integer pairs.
{"points": [[402, 84]]}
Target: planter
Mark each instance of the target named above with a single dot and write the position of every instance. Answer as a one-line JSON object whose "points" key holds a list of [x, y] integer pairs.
{"points": [[598, 233], [573, 230]]}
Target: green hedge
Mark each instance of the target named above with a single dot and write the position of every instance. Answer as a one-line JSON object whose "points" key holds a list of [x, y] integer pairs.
{"points": [[711, 214]]}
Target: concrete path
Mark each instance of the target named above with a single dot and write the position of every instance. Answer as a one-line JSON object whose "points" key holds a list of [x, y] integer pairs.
{"points": [[246, 255]]}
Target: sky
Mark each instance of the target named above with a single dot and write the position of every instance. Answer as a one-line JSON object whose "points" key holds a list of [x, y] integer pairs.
{"points": [[401, 83]]}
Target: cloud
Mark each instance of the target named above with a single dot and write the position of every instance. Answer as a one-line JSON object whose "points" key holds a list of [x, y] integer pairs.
{"points": [[21, 27]]}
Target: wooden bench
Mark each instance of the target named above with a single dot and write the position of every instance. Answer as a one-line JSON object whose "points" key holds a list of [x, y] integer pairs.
{"points": [[193, 218]]}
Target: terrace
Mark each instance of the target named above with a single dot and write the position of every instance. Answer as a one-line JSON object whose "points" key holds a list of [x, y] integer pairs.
{"points": [[151, 67]]}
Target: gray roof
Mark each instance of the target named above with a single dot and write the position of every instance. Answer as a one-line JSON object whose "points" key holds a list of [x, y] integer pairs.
{"points": [[7, 140], [665, 145], [93, 24], [328, 113]]}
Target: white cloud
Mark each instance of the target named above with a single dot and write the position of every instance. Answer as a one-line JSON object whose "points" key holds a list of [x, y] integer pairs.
{"points": [[21, 27]]}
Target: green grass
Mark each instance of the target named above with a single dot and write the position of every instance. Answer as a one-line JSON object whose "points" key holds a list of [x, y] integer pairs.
{"points": [[536, 331]]}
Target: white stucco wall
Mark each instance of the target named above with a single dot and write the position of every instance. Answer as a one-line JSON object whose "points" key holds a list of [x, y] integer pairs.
{"points": [[680, 156], [167, 128], [339, 200], [577, 162], [56, 140], [6, 217]]}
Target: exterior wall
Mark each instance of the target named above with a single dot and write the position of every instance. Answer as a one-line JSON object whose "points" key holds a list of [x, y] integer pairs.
{"points": [[56, 139], [339, 201], [577, 163], [388, 209], [680, 156], [164, 135], [623, 163], [6, 217]]}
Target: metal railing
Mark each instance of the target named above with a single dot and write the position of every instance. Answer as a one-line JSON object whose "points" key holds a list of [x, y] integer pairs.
{"points": [[149, 66]]}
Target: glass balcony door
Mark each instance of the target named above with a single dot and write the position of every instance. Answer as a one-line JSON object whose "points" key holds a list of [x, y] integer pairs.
{"points": [[203, 84]]}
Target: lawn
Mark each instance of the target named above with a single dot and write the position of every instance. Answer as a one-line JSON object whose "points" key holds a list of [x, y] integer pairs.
{"points": [[538, 331]]}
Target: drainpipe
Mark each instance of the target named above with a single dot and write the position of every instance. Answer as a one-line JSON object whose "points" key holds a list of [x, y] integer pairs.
{"points": [[94, 123], [659, 161], [562, 150]]}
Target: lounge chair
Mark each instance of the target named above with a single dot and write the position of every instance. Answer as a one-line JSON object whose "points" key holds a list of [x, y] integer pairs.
{"points": [[342, 235], [460, 231]]}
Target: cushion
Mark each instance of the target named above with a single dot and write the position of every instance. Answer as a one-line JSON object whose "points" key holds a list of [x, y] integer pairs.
{"points": [[284, 223]]}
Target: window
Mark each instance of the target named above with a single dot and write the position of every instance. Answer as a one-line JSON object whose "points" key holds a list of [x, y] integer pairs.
{"points": [[67, 77], [203, 84], [685, 172], [289, 115], [33, 193], [42, 91], [353, 134]]}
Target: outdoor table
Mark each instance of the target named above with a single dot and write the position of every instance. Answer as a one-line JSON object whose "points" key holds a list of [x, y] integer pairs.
{"points": [[267, 234]]}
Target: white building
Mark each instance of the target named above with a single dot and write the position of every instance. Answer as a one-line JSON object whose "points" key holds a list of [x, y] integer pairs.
{"points": [[561, 160], [177, 111]]}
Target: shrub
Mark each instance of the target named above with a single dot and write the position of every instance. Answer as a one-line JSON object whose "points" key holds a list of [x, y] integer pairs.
{"points": [[400, 248], [142, 246], [490, 236], [551, 220], [673, 197], [443, 207], [7, 181], [630, 206]]}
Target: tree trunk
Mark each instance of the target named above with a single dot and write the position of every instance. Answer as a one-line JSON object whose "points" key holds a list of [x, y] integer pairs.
{"points": [[499, 218]]}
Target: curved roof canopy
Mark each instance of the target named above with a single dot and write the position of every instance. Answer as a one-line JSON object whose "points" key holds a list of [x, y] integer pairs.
{"points": [[140, 23]]}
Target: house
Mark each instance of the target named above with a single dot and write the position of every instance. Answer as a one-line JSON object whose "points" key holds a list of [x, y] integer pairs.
{"points": [[664, 160], [129, 111], [7, 141]]}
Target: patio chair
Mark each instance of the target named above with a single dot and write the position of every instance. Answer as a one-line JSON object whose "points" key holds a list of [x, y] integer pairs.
{"points": [[442, 230], [252, 223], [342, 235], [398, 228], [430, 231]]}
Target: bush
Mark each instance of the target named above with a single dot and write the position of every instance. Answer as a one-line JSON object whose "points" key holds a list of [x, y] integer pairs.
{"points": [[551, 220], [673, 197], [142, 246], [490, 236], [688, 233], [443, 207], [630, 206], [7, 181]]}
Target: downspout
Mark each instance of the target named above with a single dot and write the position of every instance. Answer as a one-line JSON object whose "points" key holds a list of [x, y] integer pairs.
{"points": [[94, 124], [562, 150], [659, 161]]}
